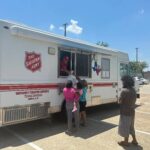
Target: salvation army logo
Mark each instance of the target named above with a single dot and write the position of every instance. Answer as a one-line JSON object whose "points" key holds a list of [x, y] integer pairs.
{"points": [[33, 61]]}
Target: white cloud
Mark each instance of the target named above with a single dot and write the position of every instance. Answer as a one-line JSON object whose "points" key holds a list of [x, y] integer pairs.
{"points": [[74, 28], [142, 11], [51, 27], [61, 28]]}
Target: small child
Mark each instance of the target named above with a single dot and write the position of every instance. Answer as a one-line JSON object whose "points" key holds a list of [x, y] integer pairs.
{"points": [[78, 93]]}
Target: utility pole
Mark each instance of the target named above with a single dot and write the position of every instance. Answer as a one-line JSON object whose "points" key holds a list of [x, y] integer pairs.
{"points": [[136, 54], [65, 27]]}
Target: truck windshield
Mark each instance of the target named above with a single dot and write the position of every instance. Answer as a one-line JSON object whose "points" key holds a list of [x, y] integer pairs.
{"points": [[124, 69]]}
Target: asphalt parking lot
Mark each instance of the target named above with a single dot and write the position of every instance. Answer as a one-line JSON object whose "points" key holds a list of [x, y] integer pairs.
{"points": [[100, 132]]}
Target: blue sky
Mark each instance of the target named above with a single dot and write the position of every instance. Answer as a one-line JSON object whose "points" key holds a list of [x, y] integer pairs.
{"points": [[123, 24]]}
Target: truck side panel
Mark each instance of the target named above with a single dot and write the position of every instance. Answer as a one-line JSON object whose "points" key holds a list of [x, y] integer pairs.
{"points": [[21, 84]]}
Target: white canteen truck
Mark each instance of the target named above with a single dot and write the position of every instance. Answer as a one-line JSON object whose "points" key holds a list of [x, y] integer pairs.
{"points": [[31, 79]]}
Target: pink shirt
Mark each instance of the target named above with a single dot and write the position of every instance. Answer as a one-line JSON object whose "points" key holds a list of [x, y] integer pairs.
{"points": [[69, 94]]}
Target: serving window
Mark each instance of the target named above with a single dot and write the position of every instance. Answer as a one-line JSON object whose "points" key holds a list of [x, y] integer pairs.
{"points": [[75, 60]]}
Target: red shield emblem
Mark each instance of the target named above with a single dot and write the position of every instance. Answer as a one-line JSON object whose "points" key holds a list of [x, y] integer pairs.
{"points": [[33, 61]]}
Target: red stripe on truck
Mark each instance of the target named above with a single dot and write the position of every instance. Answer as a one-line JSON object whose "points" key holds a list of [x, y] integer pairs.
{"points": [[10, 87], [27, 86], [102, 84]]}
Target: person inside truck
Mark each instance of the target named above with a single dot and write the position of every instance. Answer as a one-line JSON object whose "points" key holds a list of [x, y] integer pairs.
{"points": [[64, 65]]}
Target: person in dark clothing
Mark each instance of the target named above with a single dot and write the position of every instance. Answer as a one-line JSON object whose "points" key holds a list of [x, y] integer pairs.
{"points": [[127, 111]]}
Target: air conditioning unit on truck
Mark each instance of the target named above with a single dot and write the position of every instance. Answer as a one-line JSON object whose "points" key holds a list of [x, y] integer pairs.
{"points": [[31, 78]]}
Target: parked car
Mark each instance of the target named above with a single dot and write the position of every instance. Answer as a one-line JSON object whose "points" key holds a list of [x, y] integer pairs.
{"points": [[144, 81], [138, 80]]}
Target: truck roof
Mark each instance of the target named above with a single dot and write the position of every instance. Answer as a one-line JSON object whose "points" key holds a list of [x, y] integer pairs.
{"points": [[30, 32]]}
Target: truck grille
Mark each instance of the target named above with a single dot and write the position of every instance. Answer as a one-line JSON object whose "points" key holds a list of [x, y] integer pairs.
{"points": [[13, 115]]}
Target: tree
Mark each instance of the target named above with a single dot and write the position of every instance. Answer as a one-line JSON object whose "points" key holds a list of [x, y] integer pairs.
{"points": [[105, 44], [137, 68]]}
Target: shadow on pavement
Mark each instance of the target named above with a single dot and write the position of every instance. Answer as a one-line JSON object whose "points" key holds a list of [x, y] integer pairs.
{"points": [[94, 128], [32, 131], [104, 111], [133, 147]]}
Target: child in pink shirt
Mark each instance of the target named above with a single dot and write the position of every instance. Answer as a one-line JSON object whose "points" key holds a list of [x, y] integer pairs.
{"points": [[78, 93]]}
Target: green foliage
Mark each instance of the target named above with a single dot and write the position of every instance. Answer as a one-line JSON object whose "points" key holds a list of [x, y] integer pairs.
{"points": [[137, 68], [102, 44]]}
